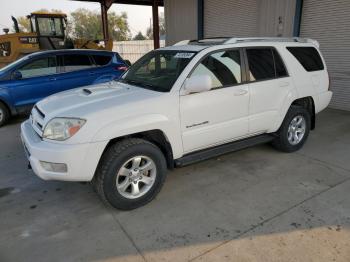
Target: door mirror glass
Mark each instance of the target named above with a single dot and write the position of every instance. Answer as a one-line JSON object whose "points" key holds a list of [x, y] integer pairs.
{"points": [[198, 84], [17, 75]]}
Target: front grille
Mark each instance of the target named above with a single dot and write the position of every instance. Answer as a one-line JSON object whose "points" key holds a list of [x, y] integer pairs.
{"points": [[39, 112], [37, 118]]}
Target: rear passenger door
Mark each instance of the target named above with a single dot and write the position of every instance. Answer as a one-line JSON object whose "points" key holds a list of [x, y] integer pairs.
{"points": [[269, 85], [76, 70]]}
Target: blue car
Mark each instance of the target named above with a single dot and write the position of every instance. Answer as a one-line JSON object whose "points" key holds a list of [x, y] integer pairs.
{"points": [[38, 75]]}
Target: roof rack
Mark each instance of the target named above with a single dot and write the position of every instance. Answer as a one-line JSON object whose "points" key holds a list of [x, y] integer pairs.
{"points": [[235, 40]]}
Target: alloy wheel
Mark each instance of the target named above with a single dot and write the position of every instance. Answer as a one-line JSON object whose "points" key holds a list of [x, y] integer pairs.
{"points": [[136, 177], [296, 130], [2, 114]]}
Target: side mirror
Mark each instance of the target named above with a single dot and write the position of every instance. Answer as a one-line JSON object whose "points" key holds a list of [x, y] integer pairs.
{"points": [[17, 75], [198, 84], [127, 62]]}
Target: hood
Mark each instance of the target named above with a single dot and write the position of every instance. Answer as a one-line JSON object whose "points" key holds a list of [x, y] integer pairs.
{"points": [[92, 99]]}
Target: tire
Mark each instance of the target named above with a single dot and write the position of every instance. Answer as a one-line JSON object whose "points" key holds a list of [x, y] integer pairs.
{"points": [[122, 170], [4, 114], [285, 140]]}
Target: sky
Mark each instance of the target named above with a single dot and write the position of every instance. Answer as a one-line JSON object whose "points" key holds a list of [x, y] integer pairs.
{"points": [[138, 16]]}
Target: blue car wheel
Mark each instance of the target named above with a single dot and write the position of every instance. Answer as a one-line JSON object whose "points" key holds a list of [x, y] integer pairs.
{"points": [[4, 114]]}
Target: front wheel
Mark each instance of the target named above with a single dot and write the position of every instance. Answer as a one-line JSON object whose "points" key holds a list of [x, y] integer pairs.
{"points": [[131, 173], [294, 130], [4, 114]]}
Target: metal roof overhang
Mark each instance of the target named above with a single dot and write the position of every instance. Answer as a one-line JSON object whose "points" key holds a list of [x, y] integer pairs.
{"points": [[128, 2]]}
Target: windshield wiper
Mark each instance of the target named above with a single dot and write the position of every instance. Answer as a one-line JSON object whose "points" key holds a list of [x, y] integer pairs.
{"points": [[137, 83], [127, 81]]}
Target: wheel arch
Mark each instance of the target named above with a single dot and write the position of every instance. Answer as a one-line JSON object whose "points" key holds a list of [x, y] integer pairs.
{"points": [[6, 99], [309, 104], [155, 136], [2, 101]]}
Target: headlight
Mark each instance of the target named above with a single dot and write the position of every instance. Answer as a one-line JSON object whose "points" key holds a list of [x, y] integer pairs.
{"points": [[62, 128]]}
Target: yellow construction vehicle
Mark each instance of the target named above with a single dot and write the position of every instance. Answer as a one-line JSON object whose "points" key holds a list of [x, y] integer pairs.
{"points": [[47, 31]]}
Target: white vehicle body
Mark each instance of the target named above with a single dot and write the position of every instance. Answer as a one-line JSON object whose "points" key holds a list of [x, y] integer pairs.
{"points": [[189, 122]]}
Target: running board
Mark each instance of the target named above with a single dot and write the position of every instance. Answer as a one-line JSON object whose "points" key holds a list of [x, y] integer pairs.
{"points": [[222, 149]]}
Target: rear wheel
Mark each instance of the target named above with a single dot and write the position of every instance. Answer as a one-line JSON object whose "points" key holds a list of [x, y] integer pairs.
{"points": [[4, 114], [294, 130], [131, 174]]}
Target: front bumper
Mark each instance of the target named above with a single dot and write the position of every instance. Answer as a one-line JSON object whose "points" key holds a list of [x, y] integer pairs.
{"points": [[81, 159]]}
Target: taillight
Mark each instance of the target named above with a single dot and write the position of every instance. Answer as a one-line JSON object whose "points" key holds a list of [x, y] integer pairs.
{"points": [[121, 68]]}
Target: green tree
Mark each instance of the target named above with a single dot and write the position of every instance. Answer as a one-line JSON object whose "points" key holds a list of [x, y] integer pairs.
{"points": [[162, 31], [139, 36], [86, 24]]}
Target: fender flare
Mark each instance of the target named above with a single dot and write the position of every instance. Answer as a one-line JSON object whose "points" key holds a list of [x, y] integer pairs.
{"points": [[137, 124], [129, 126], [5, 98]]}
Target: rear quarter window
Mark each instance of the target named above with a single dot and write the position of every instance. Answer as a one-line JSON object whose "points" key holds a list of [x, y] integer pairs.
{"points": [[102, 60], [308, 57]]}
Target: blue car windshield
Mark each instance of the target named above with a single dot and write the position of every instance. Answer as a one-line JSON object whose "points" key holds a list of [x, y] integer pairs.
{"points": [[158, 70]]}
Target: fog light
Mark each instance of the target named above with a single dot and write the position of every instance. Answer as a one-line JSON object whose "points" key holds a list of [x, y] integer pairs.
{"points": [[54, 167]]}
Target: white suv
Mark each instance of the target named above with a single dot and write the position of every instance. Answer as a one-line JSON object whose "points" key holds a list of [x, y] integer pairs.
{"points": [[175, 106]]}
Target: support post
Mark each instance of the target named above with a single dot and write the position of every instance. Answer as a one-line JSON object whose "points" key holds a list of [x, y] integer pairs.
{"points": [[155, 18], [200, 19], [297, 18], [105, 5]]}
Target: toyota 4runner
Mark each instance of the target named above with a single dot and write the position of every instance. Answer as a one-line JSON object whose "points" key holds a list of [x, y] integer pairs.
{"points": [[175, 106]]}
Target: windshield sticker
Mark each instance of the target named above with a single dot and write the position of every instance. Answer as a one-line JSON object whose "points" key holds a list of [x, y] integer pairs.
{"points": [[184, 55]]}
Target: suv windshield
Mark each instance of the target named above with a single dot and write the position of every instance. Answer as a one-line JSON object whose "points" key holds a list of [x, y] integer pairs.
{"points": [[158, 70]]}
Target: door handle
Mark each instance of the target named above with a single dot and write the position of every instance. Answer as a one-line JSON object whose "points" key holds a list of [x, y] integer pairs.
{"points": [[240, 92], [283, 84], [53, 79], [91, 73]]}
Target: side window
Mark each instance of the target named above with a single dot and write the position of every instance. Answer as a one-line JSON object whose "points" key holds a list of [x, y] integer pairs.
{"points": [[308, 57], [281, 70], [102, 60], [76, 62], [223, 67], [261, 64], [39, 67]]}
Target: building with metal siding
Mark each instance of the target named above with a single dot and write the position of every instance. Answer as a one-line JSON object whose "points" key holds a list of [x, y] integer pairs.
{"points": [[181, 20], [328, 21]]}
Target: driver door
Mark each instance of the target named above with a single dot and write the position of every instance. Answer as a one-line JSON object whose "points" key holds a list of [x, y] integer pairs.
{"points": [[221, 114], [37, 81]]}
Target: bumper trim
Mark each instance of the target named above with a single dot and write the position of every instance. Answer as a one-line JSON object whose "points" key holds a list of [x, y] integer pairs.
{"points": [[81, 159]]}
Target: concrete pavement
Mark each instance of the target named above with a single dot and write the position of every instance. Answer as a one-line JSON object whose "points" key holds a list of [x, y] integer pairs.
{"points": [[254, 205]]}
